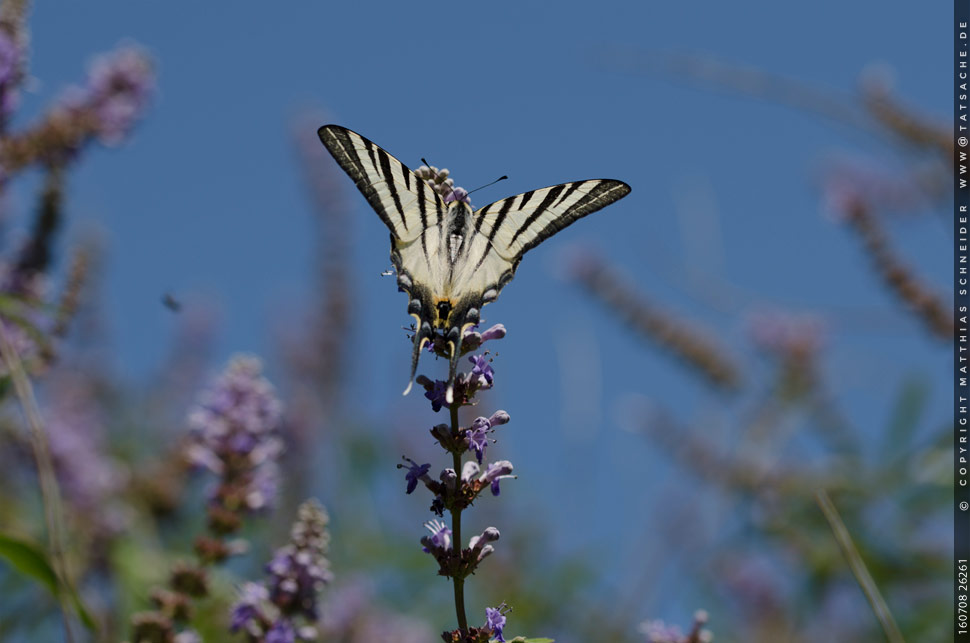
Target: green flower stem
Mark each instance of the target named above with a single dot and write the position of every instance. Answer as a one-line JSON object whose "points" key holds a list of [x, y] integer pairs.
{"points": [[456, 528]]}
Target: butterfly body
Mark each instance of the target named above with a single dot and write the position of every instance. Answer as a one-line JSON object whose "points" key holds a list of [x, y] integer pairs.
{"points": [[437, 269], [450, 259]]}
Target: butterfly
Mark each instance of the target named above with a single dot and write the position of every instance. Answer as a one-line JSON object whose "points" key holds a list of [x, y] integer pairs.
{"points": [[452, 260]]}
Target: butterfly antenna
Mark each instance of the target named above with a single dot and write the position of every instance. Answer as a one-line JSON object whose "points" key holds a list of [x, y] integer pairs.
{"points": [[421, 336], [501, 178]]}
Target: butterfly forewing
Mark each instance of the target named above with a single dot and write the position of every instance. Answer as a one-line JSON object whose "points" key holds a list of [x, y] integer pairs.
{"points": [[404, 202], [505, 230], [515, 225]]}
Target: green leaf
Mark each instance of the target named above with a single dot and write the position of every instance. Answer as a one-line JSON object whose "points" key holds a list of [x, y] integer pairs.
{"points": [[31, 561]]}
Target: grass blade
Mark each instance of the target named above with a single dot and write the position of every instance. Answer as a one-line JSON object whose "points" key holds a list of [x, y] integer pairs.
{"points": [[859, 569]]}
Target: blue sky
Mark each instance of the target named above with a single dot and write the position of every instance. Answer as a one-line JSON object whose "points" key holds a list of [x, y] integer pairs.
{"points": [[207, 200]]}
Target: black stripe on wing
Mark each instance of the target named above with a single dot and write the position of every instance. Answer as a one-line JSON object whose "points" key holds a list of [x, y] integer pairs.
{"points": [[519, 223], [389, 186], [506, 205], [606, 192], [551, 196]]}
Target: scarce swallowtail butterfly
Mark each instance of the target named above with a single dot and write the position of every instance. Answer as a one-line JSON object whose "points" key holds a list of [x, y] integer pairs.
{"points": [[452, 260]]}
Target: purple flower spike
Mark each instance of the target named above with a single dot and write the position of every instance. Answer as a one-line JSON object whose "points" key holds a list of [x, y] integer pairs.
{"points": [[449, 478], [481, 373], [469, 471], [496, 472], [415, 473], [437, 394], [483, 553], [495, 332], [440, 537], [495, 621], [438, 181], [458, 194], [480, 545], [499, 418], [478, 437]]}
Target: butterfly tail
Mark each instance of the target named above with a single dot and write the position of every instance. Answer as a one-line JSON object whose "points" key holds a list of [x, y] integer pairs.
{"points": [[455, 345], [421, 337]]}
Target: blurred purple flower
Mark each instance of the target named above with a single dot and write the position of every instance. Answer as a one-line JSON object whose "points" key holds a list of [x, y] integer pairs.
{"points": [[90, 479], [656, 631], [11, 55], [118, 90], [298, 573], [280, 632], [27, 320], [247, 613], [119, 86], [300, 570], [235, 429], [785, 334], [848, 182], [353, 615]]}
